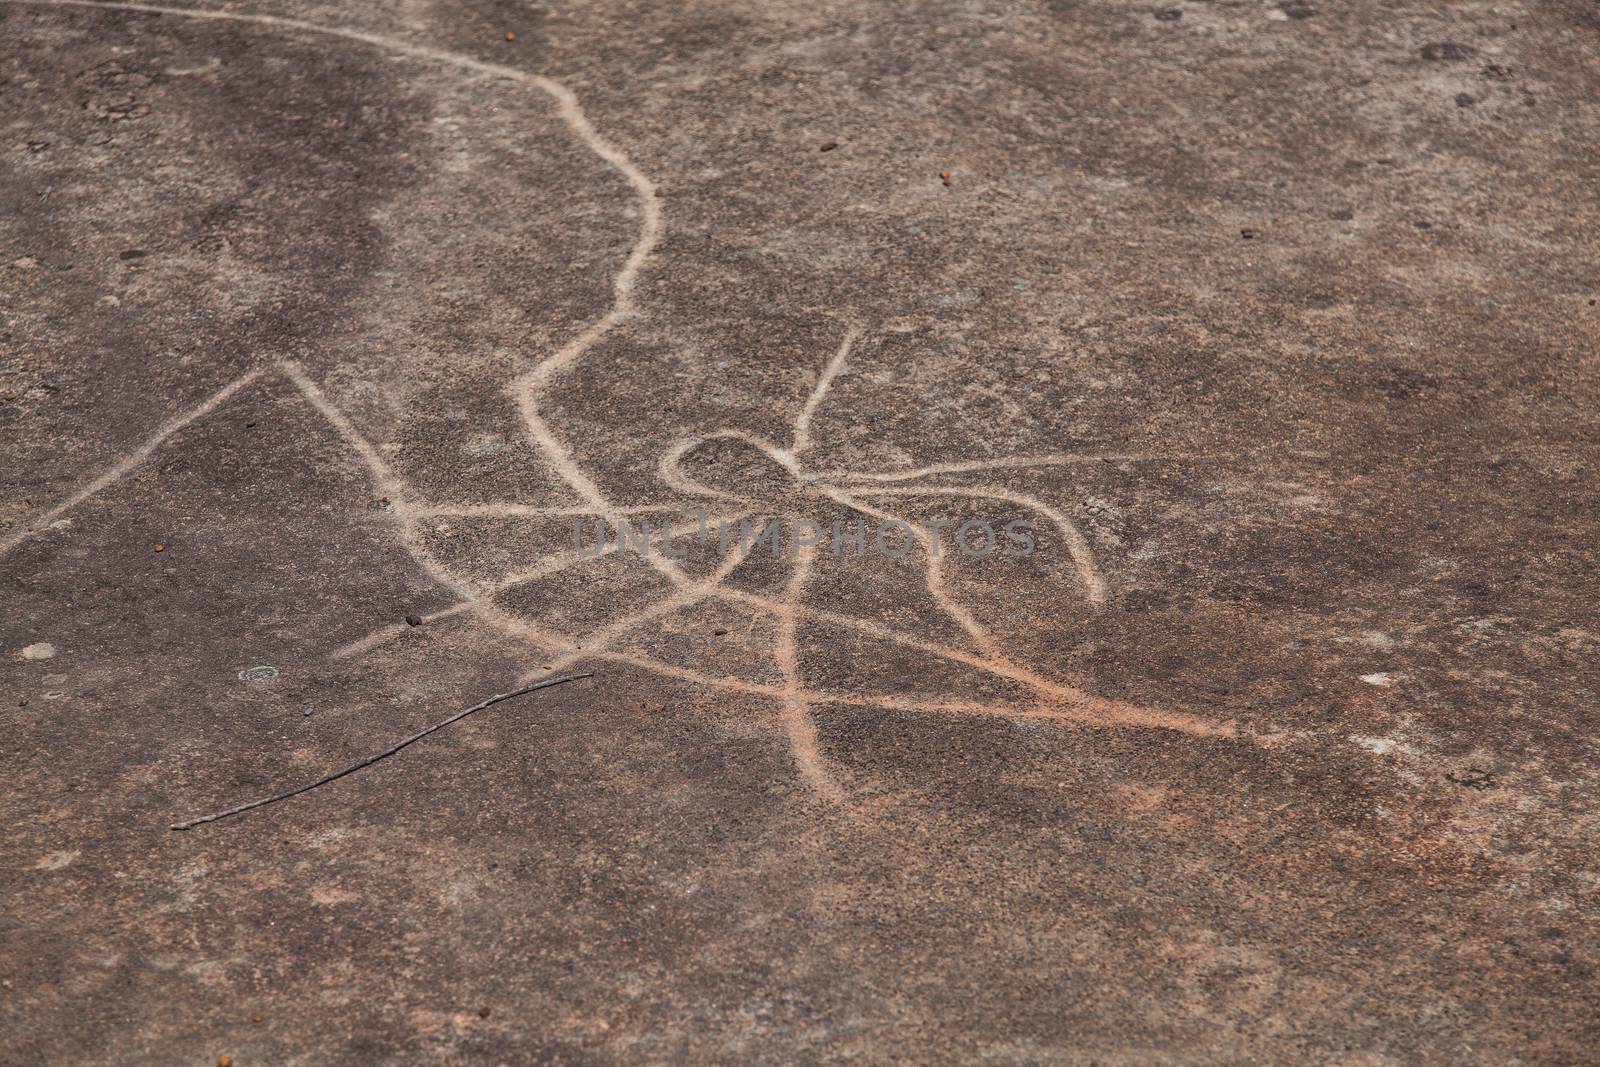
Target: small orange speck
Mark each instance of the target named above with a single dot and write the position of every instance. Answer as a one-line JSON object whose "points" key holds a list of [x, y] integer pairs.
{"points": [[944, 176], [511, 37], [255, 1016], [224, 1061], [161, 548]]}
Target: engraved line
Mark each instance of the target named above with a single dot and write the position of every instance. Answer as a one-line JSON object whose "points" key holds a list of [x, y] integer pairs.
{"points": [[1094, 583], [389, 633], [120, 469], [1001, 463], [802, 422]]}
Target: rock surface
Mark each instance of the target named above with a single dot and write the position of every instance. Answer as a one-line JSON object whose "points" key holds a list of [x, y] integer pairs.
{"points": [[1276, 321]]}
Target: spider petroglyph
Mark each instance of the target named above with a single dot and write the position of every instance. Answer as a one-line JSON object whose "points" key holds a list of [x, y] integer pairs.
{"points": [[871, 494]]}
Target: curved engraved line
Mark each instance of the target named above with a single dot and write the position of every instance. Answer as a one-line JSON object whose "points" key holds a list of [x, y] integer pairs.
{"points": [[571, 112], [1063, 702], [566, 558], [525, 389], [1094, 583], [790, 609], [551, 565], [933, 570], [798, 722], [650, 229], [1082, 711], [536, 511], [672, 473], [670, 468], [802, 421]]}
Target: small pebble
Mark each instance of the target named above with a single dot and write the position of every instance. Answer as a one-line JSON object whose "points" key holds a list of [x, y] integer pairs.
{"points": [[160, 548], [511, 37], [718, 633], [1248, 234], [224, 1061], [1473, 778], [483, 1013], [413, 620], [306, 713], [1447, 52], [944, 176], [255, 1016], [828, 146]]}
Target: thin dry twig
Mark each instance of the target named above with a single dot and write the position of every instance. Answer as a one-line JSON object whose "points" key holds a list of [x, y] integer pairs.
{"points": [[391, 750]]}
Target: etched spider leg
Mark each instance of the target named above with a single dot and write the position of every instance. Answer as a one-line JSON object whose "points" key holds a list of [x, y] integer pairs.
{"points": [[1056, 459], [1085, 707], [551, 565], [1094, 583], [599, 640], [934, 576], [798, 723]]}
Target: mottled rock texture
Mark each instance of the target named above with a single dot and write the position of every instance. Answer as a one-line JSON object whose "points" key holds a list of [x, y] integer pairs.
{"points": [[1285, 312]]}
